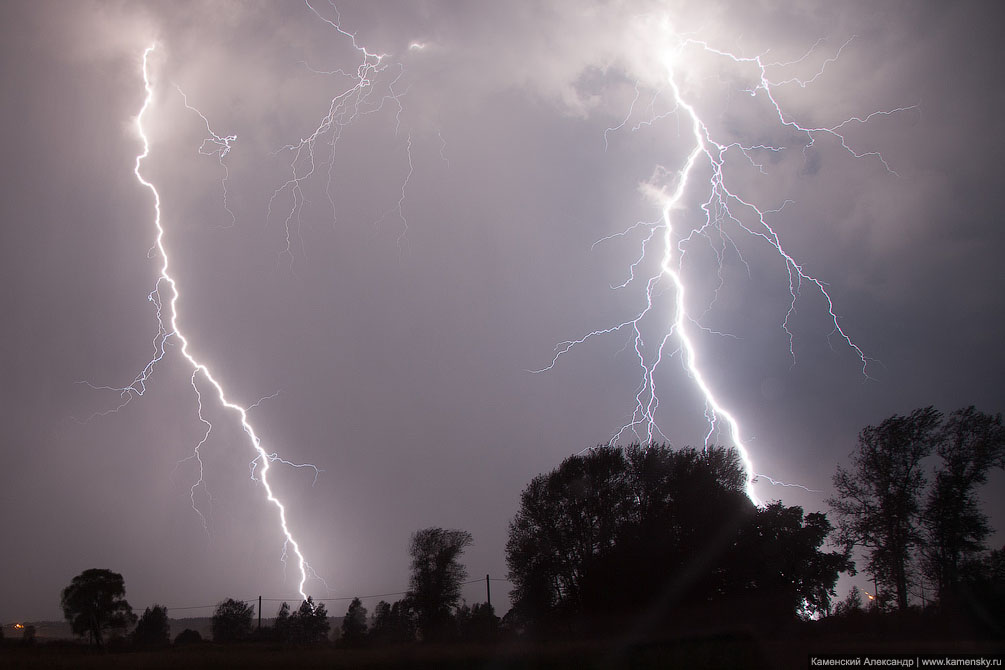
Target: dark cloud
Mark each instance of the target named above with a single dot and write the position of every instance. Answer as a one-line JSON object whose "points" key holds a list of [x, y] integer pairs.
{"points": [[401, 354]]}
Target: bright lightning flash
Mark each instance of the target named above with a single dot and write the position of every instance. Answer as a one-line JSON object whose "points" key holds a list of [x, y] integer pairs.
{"points": [[168, 327], [722, 206]]}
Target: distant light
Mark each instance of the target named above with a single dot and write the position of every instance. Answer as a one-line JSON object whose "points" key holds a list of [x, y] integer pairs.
{"points": [[18, 626]]}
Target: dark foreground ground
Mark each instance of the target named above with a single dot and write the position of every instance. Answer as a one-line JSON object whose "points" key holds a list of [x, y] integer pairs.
{"points": [[732, 650]]}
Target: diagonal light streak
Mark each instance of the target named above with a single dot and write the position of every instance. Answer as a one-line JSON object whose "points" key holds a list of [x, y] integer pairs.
{"points": [[165, 297]]}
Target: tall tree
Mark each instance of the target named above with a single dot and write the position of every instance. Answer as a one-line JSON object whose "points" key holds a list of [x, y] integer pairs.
{"points": [[878, 500], [970, 444], [232, 621], [309, 625], [94, 603], [281, 628], [153, 629], [567, 518], [354, 624], [437, 573]]}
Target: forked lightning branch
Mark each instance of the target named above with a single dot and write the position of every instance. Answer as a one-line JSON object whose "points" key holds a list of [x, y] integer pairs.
{"points": [[166, 299], [724, 213]]}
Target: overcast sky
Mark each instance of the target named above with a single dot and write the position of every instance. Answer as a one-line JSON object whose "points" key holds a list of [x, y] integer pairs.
{"points": [[391, 308]]}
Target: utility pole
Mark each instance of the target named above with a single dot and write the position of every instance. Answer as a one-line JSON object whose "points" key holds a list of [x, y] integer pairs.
{"points": [[259, 612], [488, 591]]}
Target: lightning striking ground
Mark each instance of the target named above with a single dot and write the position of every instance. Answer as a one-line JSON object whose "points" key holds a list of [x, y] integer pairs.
{"points": [[360, 98], [168, 328], [721, 206]]}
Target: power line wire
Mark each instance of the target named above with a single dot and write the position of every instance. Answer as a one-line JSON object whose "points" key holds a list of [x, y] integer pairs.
{"points": [[252, 601]]}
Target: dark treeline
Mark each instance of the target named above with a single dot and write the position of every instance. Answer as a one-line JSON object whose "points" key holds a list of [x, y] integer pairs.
{"points": [[644, 538], [922, 529], [647, 543]]}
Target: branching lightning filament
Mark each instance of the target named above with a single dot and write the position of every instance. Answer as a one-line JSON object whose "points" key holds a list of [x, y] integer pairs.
{"points": [[721, 206], [359, 97], [165, 296]]}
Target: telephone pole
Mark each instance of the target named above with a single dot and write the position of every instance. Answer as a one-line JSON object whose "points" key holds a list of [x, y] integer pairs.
{"points": [[488, 591]]}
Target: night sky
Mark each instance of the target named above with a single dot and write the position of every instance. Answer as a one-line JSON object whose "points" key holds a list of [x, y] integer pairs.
{"points": [[391, 309]]}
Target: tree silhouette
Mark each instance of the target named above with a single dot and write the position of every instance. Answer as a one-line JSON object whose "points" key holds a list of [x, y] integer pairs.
{"points": [[435, 584], [354, 625], [94, 602], [970, 444], [281, 628], [232, 621], [619, 534], [778, 555], [393, 624], [477, 623], [566, 519], [851, 605], [153, 630], [878, 501], [309, 625], [188, 636]]}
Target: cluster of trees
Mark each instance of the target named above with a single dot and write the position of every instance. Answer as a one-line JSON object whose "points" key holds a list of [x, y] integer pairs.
{"points": [[646, 536], [307, 626], [233, 621], [94, 603], [432, 609], [639, 534], [399, 623], [923, 531]]}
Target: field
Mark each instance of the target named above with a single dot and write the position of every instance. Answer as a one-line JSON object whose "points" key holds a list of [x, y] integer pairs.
{"points": [[734, 650]]}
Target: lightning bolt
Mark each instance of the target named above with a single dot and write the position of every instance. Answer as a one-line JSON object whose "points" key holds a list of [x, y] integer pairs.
{"points": [[215, 145], [721, 206], [165, 297], [358, 98]]}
